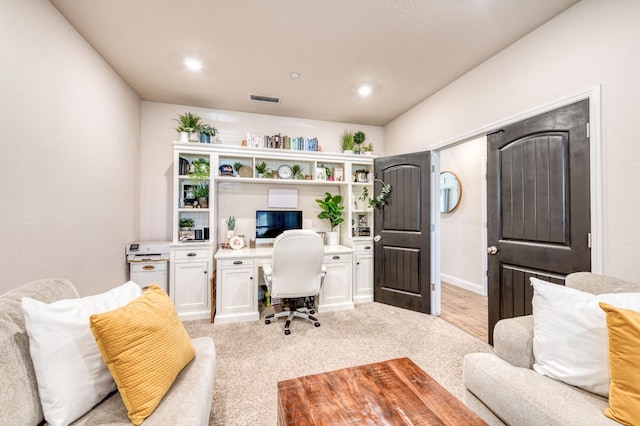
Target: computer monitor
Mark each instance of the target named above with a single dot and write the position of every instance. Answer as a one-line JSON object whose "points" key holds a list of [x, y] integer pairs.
{"points": [[271, 223]]}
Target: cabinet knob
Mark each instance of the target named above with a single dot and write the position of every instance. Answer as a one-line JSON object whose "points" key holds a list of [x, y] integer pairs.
{"points": [[336, 257], [367, 247], [192, 254], [357, 263], [238, 262], [250, 278]]}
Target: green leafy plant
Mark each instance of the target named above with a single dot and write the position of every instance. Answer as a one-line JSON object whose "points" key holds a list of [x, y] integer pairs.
{"points": [[297, 171], [346, 142], [231, 223], [367, 148], [200, 177], [381, 199], [261, 167], [331, 209], [186, 222], [359, 138], [236, 166], [189, 122], [208, 130]]}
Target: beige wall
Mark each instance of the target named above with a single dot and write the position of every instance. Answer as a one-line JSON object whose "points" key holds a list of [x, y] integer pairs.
{"points": [[595, 42], [69, 134], [156, 162], [461, 231]]}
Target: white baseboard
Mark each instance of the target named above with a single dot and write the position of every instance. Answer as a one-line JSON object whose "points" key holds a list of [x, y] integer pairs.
{"points": [[467, 285]]}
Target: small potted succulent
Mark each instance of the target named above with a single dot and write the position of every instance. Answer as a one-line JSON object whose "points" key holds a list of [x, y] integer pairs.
{"points": [[261, 169], [358, 139], [207, 132], [231, 226], [186, 223]]}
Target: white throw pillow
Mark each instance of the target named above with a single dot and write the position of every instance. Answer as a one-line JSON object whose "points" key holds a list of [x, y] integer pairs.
{"points": [[570, 340], [71, 374]]}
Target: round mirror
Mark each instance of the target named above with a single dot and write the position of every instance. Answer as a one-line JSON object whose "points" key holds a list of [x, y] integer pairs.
{"points": [[450, 192]]}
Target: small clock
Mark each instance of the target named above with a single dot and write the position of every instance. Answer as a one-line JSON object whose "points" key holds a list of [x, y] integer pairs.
{"points": [[284, 172], [236, 242]]}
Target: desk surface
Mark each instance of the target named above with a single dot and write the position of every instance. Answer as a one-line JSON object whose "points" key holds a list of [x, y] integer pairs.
{"points": [[266, 252]]}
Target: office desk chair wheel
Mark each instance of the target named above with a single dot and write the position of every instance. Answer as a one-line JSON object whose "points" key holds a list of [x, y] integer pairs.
{"points": [[317, 324], [267, 321]]}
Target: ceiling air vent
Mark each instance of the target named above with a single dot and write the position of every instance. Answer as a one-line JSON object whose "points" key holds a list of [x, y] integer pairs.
{"points": [[262, 98]]}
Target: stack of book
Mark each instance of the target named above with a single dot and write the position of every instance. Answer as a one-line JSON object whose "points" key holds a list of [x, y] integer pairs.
{"points": [[282, 142]]}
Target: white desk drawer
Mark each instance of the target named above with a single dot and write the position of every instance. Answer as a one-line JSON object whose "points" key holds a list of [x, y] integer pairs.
{"points": [[237, 262], [343, 257], [192, 254], [364, 247]]}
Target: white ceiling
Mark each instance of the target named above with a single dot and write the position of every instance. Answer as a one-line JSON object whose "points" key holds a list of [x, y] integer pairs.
{"points": [[406, 49]]}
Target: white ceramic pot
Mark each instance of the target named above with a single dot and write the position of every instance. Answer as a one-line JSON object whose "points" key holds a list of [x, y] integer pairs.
{"points": [[333, 239], [347, 151], [184, 136], [194, 137]]}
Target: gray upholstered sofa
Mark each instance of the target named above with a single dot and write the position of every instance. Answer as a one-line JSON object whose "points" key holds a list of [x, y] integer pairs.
{"points": [[188, 402], [503, 388]]}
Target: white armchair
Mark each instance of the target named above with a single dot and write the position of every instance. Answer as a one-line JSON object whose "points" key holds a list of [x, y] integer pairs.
{"points": [[296, 271]]}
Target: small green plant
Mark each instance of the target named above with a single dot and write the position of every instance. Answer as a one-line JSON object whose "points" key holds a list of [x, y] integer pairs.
{"points": [[186, 222], [189, 122], [367, 148], [261, 167], [208, 130], [346, 142], [359, 138], [200, 177], [231, 223], [297, 171], [236, 166], [331, 209]]}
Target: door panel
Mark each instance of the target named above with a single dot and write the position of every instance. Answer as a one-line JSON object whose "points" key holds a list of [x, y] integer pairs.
{"points": [[538, 206], [402, 255]]}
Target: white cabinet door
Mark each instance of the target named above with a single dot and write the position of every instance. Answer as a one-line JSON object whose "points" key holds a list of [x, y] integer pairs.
{"points": [[191, 288], [336, 292], [363, 291], [236, 292]]}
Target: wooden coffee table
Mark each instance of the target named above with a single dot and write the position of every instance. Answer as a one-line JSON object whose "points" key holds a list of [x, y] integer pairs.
{"points": [[395, 392]]}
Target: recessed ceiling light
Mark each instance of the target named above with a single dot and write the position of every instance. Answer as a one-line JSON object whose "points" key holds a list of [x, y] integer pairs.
{"points": [[365, 90], [295, 74], [193, 64]]}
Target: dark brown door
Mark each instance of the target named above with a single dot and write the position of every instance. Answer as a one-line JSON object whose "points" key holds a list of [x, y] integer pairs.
{"points": [[538, 206], [402, 253]]}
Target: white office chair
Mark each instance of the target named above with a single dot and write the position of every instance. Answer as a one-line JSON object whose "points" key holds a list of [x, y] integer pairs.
{"points": [[296, 271]]}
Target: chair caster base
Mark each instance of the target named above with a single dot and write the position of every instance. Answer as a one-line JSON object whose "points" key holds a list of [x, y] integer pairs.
{"points": [[287, 332], [317, 324], [267, 321]]}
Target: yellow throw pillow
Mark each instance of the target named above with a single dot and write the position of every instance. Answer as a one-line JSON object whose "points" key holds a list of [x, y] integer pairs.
{"points": [[145, 346], [623, 326]]}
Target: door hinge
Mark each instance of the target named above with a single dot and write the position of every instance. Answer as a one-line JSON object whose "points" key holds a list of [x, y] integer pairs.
{"points": [[589, 240], [432, 227], [433, 168], [588, 130], [433, 286]]}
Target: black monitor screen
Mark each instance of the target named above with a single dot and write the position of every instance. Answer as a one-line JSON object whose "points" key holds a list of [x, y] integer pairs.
{"points": [[271, 223]]}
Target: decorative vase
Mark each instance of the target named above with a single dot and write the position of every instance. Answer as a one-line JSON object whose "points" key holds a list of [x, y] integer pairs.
{"points": [[205, 138], [332, 238], [194, 137], [184, 137], [347, 151], [203, 202]]}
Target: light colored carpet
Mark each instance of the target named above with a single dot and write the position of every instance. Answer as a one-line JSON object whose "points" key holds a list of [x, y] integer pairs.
{"points": [[253, 357]]}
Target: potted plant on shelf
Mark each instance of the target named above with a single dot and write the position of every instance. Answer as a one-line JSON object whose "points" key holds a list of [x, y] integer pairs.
{"points": [[358, 139], [261, 169], [231, 226], [206, 133], [346, 142], [332, 210], [191, 124], [200, 178], [297, 172], [367, 149], [186, 223]]}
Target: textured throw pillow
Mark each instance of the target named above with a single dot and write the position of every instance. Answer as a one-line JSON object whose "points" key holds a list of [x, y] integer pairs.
{"points": [[70, 372], [624, 361], [570, 334], [145, 346]]}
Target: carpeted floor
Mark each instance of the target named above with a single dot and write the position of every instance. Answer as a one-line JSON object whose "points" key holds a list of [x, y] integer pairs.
{"points": [[252, 356]]}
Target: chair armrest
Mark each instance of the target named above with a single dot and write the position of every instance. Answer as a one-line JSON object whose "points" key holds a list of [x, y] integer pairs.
{"points": [[513, 341], [267, 271]]}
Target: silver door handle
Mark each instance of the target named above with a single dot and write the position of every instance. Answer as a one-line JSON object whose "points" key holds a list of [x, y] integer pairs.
{"points": [[492, 250], [377, 238]]}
